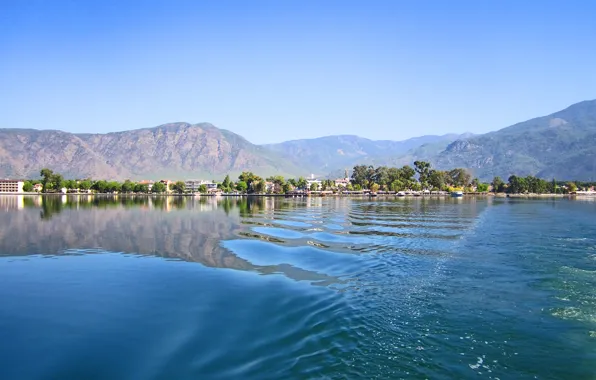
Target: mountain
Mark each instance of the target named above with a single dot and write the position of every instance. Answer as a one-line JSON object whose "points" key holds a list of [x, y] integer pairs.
{"points": [[336, 153], [177, 150], [561, 145]]}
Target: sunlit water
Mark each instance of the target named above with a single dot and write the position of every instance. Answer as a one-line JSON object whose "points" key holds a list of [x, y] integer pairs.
{"points": [[325, 288]]}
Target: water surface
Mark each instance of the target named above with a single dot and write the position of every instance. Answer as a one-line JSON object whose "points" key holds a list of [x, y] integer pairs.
{"points": [[271, 288]]}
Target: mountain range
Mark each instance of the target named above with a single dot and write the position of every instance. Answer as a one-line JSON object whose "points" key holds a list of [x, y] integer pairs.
{"points": [[177, 150], [561, 145], [331, 153]]}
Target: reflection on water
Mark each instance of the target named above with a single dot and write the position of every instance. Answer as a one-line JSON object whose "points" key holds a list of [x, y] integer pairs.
{"points": [[185, 228], [193, 229], [146, 225], [406, 288]]}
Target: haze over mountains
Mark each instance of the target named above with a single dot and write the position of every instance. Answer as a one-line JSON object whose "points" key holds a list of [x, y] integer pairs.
{"points": [[561, 145], [331, 153]]}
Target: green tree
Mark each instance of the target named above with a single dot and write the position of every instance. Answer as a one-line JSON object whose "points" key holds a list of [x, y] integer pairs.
{"points": [[437, 179], [301, 183], [114, 186], [423, 170], [314, 186], [553, 188], [397, 185], [278, 183], [381, 176], [249, 178], [144, 189], [259, 186], [70, 184], [359, 175], [27, 186], [498, 185], [517, 185], [128, 186], [459, 177], [226, 185], [46, 175], [158, 188], [482, 187], [536, 185], [203, 189], [416, 186], [179, 187], [57, 182], [571, 187], [374, 187], [241, 186], [406, 173], [85, 185], [100, 186]]}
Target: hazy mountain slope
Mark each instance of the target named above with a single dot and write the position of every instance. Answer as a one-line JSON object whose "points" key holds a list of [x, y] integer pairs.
{"points": [[177, 150], [185, 149], [562, 144], [24, 152], [335, 153]]}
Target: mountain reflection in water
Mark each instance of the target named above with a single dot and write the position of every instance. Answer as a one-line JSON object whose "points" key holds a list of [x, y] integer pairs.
{"points": [[184, 228]]}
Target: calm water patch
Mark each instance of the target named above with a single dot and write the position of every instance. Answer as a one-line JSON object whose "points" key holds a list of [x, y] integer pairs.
{"points": [[270, 288]]}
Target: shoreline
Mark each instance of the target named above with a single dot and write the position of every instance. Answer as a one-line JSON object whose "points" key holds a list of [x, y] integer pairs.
{"points": [[315, 195]]}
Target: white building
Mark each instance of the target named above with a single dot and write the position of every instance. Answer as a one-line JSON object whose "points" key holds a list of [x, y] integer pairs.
{"points": [[310, 182], [193, 185], [148, 183], [342, 182], [11, 186]]}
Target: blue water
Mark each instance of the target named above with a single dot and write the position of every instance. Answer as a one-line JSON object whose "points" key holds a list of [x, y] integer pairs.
{"points": [[273, 288]]}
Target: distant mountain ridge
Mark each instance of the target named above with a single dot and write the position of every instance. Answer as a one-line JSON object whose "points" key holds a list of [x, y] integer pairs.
{"points": [[176, 150], [324, 154], [561, 145]]}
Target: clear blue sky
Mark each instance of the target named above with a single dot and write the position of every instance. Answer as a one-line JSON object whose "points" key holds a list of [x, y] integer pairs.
{"points": [[280, 70]]}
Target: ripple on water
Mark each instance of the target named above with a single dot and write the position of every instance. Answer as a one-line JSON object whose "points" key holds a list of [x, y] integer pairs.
{"points": [[282, 233], [291, 223], [304, 257]]}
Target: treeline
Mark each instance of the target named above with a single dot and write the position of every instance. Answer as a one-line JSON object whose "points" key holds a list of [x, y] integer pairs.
{"points": [[406, 178], [247, 182], [534, 185], [251, 183], [54, 182]]}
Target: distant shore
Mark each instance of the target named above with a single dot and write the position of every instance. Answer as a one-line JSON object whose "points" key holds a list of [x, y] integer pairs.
{"points": [[314, 195]]}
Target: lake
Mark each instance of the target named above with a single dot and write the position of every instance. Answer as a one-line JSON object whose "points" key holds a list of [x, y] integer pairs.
{"points": [[317, 288]]}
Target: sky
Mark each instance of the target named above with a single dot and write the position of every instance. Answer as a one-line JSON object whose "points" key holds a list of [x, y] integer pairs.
{"points": [[280, 70]]}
